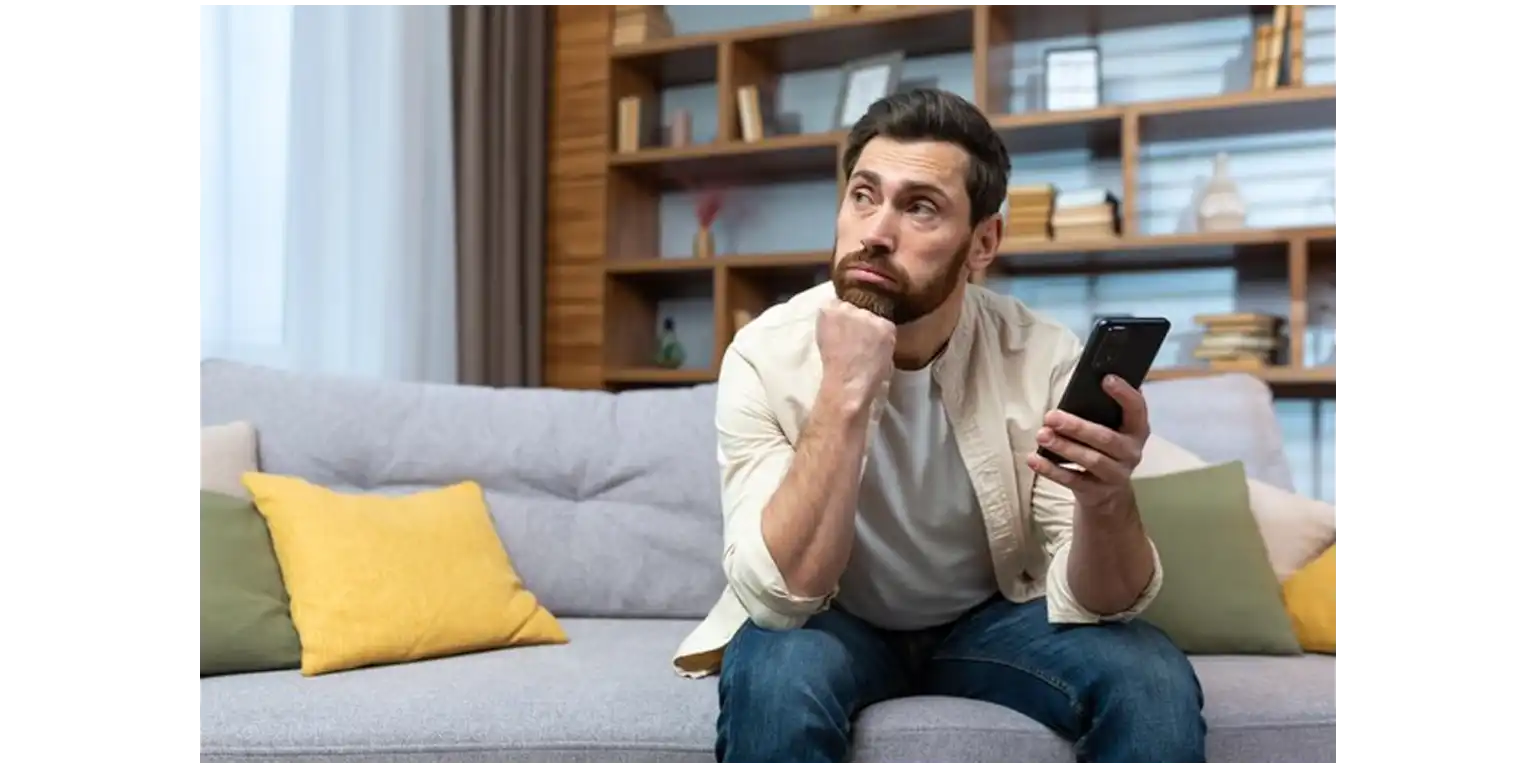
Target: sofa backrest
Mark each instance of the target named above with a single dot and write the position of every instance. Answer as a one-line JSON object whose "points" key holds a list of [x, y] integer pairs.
{"points": [[1221, 418], [608, 504]]}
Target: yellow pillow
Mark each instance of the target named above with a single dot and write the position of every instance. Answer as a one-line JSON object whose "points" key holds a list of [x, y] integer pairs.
{"points": [[375, 579], [1309, 598]]}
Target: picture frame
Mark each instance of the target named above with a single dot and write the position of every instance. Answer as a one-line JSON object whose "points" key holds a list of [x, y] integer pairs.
{"points": [[864, 82], [1073, 78]]}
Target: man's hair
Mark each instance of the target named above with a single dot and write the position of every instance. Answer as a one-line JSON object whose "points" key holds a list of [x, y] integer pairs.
{"points": [[927, 114]]}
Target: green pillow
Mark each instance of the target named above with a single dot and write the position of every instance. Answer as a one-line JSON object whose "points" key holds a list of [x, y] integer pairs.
{"points": [[1220, 594], [246, 626]]}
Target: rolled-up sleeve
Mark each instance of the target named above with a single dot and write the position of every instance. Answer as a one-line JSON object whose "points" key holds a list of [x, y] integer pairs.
{"points": [[1053, 507], [754, 456]]}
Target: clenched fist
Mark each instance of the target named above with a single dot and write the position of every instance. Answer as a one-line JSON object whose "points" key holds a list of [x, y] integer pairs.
{"points": [[856, 352]]}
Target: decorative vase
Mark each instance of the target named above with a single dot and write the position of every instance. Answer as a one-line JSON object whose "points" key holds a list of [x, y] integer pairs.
{"points": [[704, 244], [669, 351], [1221, 207]]}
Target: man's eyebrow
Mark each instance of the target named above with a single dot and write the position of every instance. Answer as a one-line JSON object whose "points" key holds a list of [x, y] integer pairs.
{"points": [[907, 187]]}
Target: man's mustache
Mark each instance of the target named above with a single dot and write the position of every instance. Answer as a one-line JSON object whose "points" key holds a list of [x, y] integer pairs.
{"points": [[874, 260]]}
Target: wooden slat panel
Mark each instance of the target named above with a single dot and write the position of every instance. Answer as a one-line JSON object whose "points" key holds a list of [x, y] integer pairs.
{"points": [[577, 212]]}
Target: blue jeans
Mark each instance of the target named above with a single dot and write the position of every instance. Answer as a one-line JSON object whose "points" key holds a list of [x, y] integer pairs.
{"points": [[1121, 692]]}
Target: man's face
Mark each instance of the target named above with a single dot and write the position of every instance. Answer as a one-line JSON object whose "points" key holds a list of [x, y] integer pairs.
{"points": [[903, 229]]}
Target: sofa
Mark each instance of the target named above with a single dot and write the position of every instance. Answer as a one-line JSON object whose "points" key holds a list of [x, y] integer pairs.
{"points": [[608, 506]]}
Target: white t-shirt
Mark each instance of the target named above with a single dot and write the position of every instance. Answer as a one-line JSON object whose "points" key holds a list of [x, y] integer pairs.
{"points": [[920, 555]]}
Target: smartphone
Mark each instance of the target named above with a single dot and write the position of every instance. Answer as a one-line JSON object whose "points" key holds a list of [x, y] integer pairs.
{"points": [[1124, 346]]}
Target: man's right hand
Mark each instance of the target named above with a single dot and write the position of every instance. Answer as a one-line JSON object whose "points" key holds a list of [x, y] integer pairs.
{"points": [[857, 348]]}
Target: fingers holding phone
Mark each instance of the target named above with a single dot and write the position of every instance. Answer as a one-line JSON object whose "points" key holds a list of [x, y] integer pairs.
{"points": [[1107, 454], [1095, 435]]}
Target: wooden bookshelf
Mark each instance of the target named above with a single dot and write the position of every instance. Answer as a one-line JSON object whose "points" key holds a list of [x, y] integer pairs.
{"points": [[605, 270]]}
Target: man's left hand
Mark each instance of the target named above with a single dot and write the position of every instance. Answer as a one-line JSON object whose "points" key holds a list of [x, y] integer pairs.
{"points": [[1107, 457]]}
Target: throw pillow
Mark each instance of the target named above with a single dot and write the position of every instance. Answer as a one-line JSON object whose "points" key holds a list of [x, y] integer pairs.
{"points": [[229, 451], [246, 627], [1310, 598], [376, 579], [1219, 594], [1296, 529]]}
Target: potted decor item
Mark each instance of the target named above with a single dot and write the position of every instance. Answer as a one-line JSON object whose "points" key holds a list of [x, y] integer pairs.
{"points": [[706, 208], [1221, 208], [669, 351]]}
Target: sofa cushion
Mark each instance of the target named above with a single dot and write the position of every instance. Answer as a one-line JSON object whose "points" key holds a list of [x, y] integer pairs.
{"points": [[379, 579], [610, 696], [1219, 594], [609, 504], [228, 451], [246, 626], [1311, 600]]}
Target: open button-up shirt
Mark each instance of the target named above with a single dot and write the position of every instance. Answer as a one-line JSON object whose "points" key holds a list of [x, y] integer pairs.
{"points": [[1003, 369]]}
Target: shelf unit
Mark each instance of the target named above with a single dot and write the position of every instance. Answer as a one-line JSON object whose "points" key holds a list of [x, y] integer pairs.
{"points": [[634, 277]]}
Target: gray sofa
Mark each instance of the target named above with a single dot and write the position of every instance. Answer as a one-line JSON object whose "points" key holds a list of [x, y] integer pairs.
{"points": [[607, 505]]}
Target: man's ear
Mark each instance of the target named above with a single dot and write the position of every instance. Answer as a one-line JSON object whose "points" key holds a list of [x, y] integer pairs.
{"points": [[984, 243]]}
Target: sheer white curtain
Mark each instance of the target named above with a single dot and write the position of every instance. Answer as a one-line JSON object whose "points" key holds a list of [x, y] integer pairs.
{"points": [[327, 189]]}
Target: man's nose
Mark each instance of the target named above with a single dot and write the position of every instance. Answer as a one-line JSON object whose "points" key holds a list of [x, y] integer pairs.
{"points": [[881, 234]]}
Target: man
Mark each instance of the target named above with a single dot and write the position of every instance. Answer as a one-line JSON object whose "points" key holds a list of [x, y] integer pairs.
{"points": [[890, 530]]}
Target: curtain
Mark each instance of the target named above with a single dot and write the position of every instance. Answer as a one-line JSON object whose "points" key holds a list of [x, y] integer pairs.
{"points": [[500, 77], [328, 240]]}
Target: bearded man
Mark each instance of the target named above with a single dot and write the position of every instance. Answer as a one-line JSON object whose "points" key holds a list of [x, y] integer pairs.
{"points": [[889, 528]]}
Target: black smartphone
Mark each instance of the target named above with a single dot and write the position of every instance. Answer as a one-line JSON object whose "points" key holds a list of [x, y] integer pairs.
{"points": [[1124, 346]]}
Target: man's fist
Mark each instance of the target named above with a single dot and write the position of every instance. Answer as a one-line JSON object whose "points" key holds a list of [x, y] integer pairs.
{"points": [[856, 351]]}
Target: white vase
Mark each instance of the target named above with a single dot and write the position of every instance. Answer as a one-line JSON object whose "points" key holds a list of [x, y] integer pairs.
{"points": [[1221, 207]]}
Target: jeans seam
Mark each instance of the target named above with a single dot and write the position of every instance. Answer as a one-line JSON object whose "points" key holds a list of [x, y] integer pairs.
{"points": [[1053, 682]]}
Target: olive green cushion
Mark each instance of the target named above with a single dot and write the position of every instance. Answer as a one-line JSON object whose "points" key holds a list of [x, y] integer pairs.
{"points": [[246, 625], [1220, 594]]}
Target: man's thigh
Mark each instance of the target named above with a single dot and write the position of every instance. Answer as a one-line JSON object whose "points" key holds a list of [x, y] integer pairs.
{"points": [[831, 655], [793, 694], [1069, 677]]}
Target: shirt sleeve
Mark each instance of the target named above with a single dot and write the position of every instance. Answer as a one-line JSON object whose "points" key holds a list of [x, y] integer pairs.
{"points": [[754, 456], [1054, 507]]}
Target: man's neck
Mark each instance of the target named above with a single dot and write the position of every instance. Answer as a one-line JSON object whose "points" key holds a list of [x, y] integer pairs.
{"points": [[920, 341]]}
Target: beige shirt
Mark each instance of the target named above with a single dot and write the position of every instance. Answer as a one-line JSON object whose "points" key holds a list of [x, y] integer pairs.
{"points": [[1003, 369]]}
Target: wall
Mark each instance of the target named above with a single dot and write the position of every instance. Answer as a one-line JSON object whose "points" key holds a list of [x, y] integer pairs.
{"points": [[1286, 179]]}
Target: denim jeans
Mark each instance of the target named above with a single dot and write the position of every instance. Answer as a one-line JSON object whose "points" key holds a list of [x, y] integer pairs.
{"points": [[1121, 692]]}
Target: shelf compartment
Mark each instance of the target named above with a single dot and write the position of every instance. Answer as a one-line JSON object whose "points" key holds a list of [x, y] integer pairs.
{"points": [[632, 310], [647, 376], [1043, 22], [807, 44], [1143, 252], [1095, 129], [1284, 380], [774, 159], [1243, 113]]}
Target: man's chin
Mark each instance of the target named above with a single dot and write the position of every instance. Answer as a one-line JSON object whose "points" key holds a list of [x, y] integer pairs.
{"points": [[876, 302]]}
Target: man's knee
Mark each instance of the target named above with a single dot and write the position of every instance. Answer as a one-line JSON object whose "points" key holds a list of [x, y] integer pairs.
{"points": [[1148, 695], [781, 666], [782, 692]]}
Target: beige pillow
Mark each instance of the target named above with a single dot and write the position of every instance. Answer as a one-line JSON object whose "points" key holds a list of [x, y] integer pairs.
{"points": [[229, 451], [1296, 529]]}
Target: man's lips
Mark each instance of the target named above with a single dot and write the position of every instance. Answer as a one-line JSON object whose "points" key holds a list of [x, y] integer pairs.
{"points": [[870, 275]]}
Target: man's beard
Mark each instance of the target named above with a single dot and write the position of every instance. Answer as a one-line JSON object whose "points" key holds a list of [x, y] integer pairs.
{"points": [[902, 302]]}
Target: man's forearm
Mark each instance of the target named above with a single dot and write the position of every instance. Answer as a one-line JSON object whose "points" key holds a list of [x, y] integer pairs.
{"points": [[1111, 560], [808, 522]]}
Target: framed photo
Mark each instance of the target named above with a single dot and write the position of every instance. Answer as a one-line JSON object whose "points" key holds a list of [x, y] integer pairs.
{"points": [[1072, 78], [865, 82]]}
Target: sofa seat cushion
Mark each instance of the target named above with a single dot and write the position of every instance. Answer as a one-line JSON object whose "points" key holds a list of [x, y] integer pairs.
{"points": [[611, 695]]}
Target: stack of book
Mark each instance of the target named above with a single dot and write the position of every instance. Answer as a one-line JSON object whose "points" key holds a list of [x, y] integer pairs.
{"points": [[1279, 49], [638, 23], [1092, 214], [1238, 341], [1029, 213]]}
